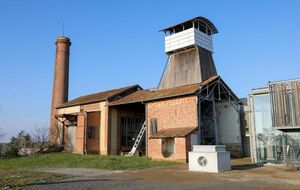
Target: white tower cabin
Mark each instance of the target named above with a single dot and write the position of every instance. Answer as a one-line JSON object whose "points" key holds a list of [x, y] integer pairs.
{"points": [[189, 46], [197, 31]]}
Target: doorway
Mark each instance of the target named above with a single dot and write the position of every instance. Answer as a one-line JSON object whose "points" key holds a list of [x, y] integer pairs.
{"points": [[93, 132]]}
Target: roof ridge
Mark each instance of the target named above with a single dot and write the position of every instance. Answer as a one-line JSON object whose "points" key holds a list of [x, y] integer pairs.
{"points": [[103, 92], [95, 97]]}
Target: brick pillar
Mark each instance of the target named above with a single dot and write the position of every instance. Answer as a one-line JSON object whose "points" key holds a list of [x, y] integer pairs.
{"points": [[60, 84], [80, 134]]}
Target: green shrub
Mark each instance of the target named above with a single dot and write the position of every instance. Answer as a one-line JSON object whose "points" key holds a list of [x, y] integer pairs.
{"points": [[23, 140]]}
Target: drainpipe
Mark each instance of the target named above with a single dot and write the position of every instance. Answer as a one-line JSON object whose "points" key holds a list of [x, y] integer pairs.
{"points": [[84, 132]]}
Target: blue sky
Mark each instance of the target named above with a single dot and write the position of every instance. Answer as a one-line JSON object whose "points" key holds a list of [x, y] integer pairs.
{"points": [[117, 43]]}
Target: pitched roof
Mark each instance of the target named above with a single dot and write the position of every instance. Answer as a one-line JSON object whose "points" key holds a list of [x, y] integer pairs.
{"points": [[150, 95], [173, 132], [97, 97]]}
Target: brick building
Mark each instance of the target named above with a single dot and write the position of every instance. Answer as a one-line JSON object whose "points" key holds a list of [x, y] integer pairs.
{"points": [[191, 105]]}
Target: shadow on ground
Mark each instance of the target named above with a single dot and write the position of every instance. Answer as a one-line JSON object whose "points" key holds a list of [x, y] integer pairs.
{"points": [[84, 180], [245, 167]]}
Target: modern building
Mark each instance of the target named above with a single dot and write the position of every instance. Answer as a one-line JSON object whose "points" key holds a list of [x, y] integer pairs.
{"points": [[275, 123], [191, 105]]}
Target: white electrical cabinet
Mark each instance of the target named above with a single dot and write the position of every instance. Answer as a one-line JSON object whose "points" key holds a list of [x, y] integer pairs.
{"points": [[209, 158]]}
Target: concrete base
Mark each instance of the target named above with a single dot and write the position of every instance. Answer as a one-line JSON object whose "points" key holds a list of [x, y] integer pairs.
{"points": [[209, 158]]}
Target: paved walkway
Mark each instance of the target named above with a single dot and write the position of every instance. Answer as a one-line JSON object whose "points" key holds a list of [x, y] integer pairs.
{"points": [[242, 176]]}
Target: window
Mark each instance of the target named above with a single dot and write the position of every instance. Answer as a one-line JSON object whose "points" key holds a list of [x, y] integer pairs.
{"points": [[91, 132], [130, 127], [153, 126], [71, 120], [268, 140], [167, 147]]}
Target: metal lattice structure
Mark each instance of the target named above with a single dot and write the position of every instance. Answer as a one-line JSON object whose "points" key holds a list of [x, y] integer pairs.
{"points": [[214, 92]]}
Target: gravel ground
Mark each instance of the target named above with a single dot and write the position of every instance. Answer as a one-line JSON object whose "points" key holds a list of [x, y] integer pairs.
{"points": [[135, 184], [242, 176]]}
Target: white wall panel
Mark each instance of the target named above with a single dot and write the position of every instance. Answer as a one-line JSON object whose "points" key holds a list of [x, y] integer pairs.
{"points": [[188, 38]]}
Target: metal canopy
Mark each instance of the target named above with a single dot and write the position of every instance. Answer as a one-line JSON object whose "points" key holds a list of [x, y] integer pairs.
{"points": [[191, 21], [67, 119], [219, 91]]}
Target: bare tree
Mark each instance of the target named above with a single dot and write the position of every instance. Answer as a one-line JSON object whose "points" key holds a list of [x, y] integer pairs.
{"points": [[56, 135], [41, 137]]}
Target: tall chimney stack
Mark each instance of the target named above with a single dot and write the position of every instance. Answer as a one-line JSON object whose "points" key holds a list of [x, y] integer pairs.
{"points": [[60, 84]]}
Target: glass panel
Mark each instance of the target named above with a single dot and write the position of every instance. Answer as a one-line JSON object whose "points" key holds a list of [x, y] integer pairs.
{"points": [[274, 146], [293, 147], [268, 140]]}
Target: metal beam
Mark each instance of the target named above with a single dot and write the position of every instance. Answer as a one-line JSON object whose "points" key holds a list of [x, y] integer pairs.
{"points": [[200, 129], [215, 122]]}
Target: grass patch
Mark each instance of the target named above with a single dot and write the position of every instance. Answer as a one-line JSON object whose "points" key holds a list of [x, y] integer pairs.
{"points": [[18, 172], [58, 160], [15, 179]]}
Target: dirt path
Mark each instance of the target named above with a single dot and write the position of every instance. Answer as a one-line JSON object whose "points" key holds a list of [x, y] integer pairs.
{"points": [[243, 175], [85, 172]]}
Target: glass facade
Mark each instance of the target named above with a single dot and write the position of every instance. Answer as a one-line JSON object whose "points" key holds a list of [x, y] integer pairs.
{"points": [[272, 146]]}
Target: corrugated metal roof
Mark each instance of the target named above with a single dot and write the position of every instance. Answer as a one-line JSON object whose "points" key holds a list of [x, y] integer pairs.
{"points": [[147, 95], [173, 132], [97, 97]]}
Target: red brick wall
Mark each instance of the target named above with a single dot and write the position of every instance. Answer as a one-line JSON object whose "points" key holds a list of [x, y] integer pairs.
{"points": [[106, 133], [180, 149], [80, 133], [172, 113]]}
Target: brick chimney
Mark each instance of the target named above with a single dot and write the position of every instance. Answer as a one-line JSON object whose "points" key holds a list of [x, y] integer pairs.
{"points": [[60, 84]]}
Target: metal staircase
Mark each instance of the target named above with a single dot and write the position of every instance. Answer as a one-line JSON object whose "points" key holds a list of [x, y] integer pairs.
{"points": [[138, 140]]}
